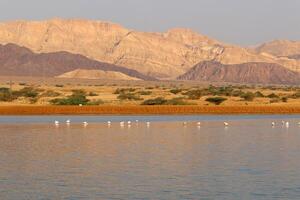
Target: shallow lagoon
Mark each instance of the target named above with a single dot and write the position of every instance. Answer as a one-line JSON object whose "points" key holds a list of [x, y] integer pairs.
{"points": [[250, 159]]}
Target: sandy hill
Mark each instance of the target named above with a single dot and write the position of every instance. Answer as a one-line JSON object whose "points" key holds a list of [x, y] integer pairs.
{"points": [[96, 74]]}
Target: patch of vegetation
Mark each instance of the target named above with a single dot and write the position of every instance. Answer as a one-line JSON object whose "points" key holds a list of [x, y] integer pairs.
{"points": [[259, 94], [163, 101], [273, 96], [156, 101], [176, 91], [27, 92], [274, 100], [6, 95], [145, 93], [284, 99], [59, 85], [50, 93], [129, 96], [249, 96], [78, 97], [194, 94], [216, 100], [124, 90], [295, 95], [92, 94]]}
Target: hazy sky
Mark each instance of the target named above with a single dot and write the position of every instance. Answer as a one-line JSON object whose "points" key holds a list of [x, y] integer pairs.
{"points": [[234, 21]]}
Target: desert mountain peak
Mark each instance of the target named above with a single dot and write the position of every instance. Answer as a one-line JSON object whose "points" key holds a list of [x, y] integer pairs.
{"points": [[163, 55]]}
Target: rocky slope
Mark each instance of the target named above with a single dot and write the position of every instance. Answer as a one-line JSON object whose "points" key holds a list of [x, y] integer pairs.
{"points": [[163, 55], [264, 73], [96, 74], [20, 61], [280, 48]]}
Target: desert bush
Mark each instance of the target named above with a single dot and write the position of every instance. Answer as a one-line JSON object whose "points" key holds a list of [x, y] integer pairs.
{"points": [[274, 100], [92, 94], [295, 95], [27, 92], [129, 96], [175, 91], [248, 96], [50, 93], [259, 94], [59, 85], [176, 101], [5, 95], [156, 101], [78, 97], [216, 100], [145, 93], [194, 94], [124, 90], [273, 96], [284, 99], [237, 93]]}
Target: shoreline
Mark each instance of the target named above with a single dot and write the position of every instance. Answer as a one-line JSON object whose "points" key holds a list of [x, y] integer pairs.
{"points": [[147, 110]]}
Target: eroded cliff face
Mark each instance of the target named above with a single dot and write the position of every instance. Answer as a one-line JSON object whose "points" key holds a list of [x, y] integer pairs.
{"points": [[252, 72], [163, 55]]}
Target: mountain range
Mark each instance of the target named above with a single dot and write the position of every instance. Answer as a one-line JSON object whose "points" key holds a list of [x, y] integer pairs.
{"points": [[73, 47]]}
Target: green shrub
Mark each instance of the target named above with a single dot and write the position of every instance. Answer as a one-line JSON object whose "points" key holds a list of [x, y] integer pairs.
{"points": [[237, 93], [129, 96], [249, 96], [176, 91], [78, 97], [273, 96], [50, 93], [216, 100], [194, 94], [145, 93], [295, 95], [156, 101], [5, 95], [259, 94], [26, 92], [176, 101]]}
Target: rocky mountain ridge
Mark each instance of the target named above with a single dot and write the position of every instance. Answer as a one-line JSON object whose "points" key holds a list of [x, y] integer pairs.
{"points": [[162, 55]]}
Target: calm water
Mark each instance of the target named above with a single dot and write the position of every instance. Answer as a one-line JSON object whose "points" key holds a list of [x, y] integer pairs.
{"points": [[247, 160]]}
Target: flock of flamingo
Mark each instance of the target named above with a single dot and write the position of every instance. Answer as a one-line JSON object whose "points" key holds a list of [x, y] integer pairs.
{"points": [[122, 124]]}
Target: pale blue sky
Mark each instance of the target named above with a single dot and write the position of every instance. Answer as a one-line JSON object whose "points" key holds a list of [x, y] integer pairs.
{"points": [[243, 22]]}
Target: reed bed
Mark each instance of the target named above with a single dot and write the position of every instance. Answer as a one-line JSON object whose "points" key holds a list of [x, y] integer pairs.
{"points": [[146, 110]]}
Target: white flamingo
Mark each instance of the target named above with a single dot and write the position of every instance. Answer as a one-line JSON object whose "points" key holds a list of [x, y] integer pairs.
{"points": [[273, 124], [85, 124], [287, 124], [226, 124]]}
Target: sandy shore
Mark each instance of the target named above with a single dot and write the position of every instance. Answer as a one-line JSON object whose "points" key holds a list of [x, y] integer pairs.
{"points": [[146, 110]]}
